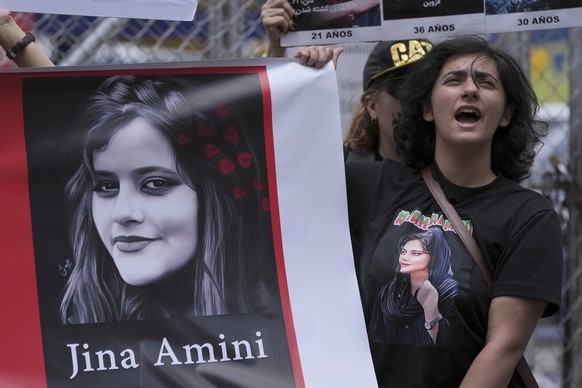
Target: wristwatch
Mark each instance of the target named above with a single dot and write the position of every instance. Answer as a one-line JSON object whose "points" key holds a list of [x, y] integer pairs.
{"points": [[429, 325]]}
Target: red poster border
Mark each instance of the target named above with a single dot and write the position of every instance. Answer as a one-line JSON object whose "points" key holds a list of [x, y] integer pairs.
{"points": [[21, 359], [277, 237]]}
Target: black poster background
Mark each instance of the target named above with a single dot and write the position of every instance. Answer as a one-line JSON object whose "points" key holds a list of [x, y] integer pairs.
{"points": [[410, 9], [53, 143]]}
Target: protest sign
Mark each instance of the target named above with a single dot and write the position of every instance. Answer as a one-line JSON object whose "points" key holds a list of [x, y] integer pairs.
{"points": [[181, 225], [344, 21], [136, 9]]}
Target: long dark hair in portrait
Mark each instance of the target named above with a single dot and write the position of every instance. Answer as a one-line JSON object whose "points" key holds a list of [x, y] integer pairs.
{"points": [[232, 270]]}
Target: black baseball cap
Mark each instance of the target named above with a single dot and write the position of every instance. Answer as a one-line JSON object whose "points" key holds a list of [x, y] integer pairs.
{"points": [[393, 55]]}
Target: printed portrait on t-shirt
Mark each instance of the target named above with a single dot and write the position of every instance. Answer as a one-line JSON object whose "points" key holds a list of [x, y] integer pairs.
{"points": [[416, 307]]}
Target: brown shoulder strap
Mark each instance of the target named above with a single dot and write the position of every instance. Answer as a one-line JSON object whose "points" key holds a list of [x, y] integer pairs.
{"points": [[522, 367], [460, 228]]}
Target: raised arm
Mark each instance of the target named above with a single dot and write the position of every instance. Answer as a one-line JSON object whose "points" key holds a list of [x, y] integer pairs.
{"points": [[277, 18], [11, 34]]}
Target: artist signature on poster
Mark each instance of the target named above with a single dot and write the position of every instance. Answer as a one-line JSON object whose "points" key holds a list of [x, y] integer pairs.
{"points": [[432, 3]]}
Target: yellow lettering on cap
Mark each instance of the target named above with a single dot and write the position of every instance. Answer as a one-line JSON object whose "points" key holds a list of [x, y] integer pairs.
{"points": [[401, 55], [415, 50], [427, 46]]}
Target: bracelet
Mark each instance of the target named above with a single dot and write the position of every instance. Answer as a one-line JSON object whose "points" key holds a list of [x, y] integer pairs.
{"points": [[428, 325], [19, 47]]}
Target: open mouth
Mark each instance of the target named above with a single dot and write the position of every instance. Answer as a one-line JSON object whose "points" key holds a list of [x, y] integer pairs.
{"points": [[467, 116]]}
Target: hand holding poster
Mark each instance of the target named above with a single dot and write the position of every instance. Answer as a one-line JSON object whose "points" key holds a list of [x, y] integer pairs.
{"points": [[172, 227], [137, 9]]}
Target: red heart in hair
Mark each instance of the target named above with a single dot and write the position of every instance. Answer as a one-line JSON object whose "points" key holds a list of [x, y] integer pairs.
{"points": [[211, 150], [226, 166], [184, 139], [265, 206], [221, 111], [231, 133], [239, 193], [245, 159], [203, 130], [258, 185]]}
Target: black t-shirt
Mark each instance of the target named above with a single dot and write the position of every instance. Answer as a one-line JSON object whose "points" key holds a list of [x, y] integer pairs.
{"points": [[517, 230]]}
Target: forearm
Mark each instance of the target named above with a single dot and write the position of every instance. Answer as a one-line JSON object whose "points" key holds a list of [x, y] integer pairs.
{"points": [[275, 51], [493, 367], [512, 321], [10, 34], [277, 17]]}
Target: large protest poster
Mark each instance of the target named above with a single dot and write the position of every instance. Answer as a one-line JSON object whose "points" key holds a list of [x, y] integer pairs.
{"points": [[171, 227], [392, 19], [137, 9], [429, 19]]}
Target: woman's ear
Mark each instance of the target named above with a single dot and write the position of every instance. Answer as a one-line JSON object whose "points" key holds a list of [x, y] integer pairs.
{"points": [[506, 117], [427, 113], [370, 103]]}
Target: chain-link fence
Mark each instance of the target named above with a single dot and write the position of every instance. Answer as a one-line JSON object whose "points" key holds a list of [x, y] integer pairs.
{"points": [[552, 57], [221, 29], [232, 29]]}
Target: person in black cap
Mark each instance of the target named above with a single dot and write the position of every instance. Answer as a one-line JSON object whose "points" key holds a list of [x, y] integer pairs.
{"points": [[370, 134]]}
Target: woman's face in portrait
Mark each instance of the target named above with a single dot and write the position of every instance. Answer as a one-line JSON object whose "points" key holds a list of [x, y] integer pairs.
{"points": [[413, 257], [144, 212]]}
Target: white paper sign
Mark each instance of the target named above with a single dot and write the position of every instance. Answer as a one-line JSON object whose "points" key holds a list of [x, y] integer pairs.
{"points": [[135, 9]]}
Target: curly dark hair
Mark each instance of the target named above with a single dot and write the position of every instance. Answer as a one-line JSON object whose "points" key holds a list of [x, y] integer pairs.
{"points": [[363, 133], [513, 149]]}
